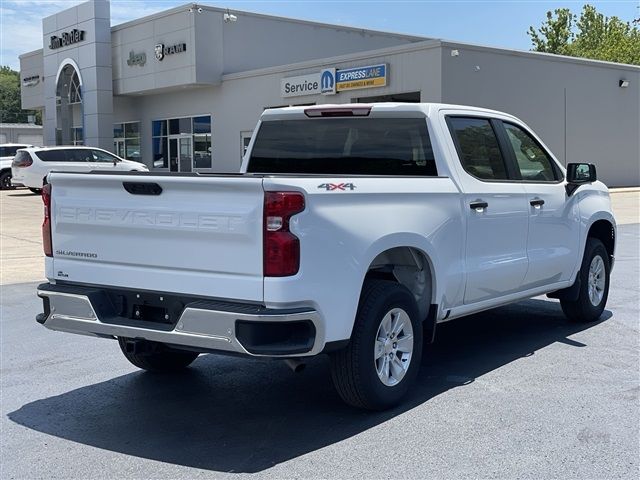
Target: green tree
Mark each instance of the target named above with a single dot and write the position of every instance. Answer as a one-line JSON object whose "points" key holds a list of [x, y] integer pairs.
{"points": [[592, 35], [555, 35], [10, 107]]}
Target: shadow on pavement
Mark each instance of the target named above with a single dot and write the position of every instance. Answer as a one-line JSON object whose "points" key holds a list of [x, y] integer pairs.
{"points": [[234, 415]]}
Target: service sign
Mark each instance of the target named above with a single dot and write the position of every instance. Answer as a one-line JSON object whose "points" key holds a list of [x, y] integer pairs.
{"points": [[362, 77], [300, 85]]}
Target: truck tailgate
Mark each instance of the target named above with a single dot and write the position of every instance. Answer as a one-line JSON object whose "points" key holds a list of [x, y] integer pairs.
{"points": [[200, 236]]}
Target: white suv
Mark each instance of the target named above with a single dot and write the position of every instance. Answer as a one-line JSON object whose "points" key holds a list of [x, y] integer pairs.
{"points": [[7, 152], [31, 165]]}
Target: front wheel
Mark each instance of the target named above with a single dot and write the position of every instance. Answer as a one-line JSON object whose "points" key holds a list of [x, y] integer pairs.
{"points": [[594, 285], [156, 358], [5, 181], [377, 368]]}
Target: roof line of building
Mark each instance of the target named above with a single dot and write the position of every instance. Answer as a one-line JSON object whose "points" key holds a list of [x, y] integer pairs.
{"points": [[31, 53], [547, 56], [186, 6], [319, 62]]}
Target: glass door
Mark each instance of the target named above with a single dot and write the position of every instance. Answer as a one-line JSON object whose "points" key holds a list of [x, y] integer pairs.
{"points": [[173, 154], [185, 154], [118, 148], [181, 154]]}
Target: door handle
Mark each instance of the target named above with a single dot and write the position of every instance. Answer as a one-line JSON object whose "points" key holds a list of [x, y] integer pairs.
{"points": [[478, 205], [536, 202]]}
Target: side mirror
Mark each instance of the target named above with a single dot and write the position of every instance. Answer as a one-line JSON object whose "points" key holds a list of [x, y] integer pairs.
{"points": [[579, 174]]}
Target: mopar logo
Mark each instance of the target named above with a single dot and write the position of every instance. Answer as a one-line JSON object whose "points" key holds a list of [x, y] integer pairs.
{"points": [[328, 81]]}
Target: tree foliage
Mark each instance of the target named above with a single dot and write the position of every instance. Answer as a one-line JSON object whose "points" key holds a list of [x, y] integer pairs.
{"points": [[591, 35], [10, 106]]}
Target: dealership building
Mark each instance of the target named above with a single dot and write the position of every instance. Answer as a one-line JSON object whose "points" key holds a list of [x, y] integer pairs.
{"points": [[181, 90]]}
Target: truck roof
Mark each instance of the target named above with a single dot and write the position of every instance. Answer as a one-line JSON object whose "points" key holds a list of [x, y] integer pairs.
{"points": [[388, 107]]}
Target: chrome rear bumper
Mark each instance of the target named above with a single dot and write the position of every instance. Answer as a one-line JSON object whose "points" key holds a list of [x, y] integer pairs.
{"points": [[201, 325]]}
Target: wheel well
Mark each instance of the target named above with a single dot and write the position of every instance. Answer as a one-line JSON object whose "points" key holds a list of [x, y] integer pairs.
{"points": [[603, 230], [409, 267]]}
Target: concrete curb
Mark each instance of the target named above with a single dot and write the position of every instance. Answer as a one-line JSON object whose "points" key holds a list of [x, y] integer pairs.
{"points": [[624, 189]]}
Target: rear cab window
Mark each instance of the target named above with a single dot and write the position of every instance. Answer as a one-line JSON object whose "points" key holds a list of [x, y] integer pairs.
{"points": [[344, 146]]}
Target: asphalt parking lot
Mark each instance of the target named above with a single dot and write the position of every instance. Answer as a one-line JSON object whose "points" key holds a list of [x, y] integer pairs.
{"points": [[513, 392]]}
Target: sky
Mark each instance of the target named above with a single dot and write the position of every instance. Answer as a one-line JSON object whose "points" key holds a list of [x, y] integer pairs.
{"points": [[499, 23]]}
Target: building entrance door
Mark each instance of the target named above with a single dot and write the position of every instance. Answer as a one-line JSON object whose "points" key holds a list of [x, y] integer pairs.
{"points": [[118, 148], [181, 153]]}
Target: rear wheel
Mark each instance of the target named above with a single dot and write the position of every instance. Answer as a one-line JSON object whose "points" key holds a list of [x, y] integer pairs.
{"points": [[594, 285], [382, 359], [37, 191], [5, 180], [155, 357]]}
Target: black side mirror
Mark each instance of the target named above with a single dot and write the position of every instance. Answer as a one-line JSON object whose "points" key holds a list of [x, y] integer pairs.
{"points": [[579, 174]]}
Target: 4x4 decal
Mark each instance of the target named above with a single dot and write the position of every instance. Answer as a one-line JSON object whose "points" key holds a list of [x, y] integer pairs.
{"points": [[337, 186]]}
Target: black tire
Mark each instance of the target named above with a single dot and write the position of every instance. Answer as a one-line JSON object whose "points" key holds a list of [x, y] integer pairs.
{"points": [[353, 369], [583, 310], [5, 180], [161, 361], [37, 191]]}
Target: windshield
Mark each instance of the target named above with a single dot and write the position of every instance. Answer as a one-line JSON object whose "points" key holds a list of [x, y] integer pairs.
{"points": [[343, 146]]}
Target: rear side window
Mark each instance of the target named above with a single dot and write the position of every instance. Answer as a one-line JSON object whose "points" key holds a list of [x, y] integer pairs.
{"points": [[71, 155], [22, 157], [534, 163], [344, 146], [478, 147]]}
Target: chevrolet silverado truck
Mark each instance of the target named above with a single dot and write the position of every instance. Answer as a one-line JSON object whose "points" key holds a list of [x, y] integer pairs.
{"points": [[351, 230]]}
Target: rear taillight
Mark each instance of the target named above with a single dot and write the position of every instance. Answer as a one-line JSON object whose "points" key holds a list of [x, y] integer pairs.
{"points": [[46, 224], [22, 161], [281, 247]]}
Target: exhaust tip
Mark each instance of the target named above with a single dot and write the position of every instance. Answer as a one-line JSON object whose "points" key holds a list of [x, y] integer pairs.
{"points": [[295, 365]]}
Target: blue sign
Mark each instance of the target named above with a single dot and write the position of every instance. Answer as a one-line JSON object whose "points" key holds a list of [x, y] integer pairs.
{"points": [[361, 77], [328, 81]]}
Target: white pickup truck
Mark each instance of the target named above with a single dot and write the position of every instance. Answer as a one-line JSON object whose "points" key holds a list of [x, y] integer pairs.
{"points": [[352, 230]]}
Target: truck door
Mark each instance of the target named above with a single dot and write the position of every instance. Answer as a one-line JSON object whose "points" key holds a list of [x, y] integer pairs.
{"points": [[553, 239], [496, 210]]}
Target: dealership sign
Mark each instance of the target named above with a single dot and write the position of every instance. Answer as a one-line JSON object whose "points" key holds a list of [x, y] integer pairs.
{"points": [[31, 81], [66, 38], [161, 50], [362, 77], [300, 85], [136, 59], [329, 81]]}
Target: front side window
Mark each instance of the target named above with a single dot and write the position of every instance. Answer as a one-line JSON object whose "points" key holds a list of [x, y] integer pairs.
{"points": [[478, 147], [534, 163], [344, 146], [100, 156]]}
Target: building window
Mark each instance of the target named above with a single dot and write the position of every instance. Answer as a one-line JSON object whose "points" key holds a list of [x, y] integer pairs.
{"points": [[126, 140], [170, 153], [76, 136], [75, 94]]}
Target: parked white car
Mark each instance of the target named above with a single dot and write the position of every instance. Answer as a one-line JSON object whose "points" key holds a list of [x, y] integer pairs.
{"points": [[353, 230], [7, 152], [31, 166]]}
